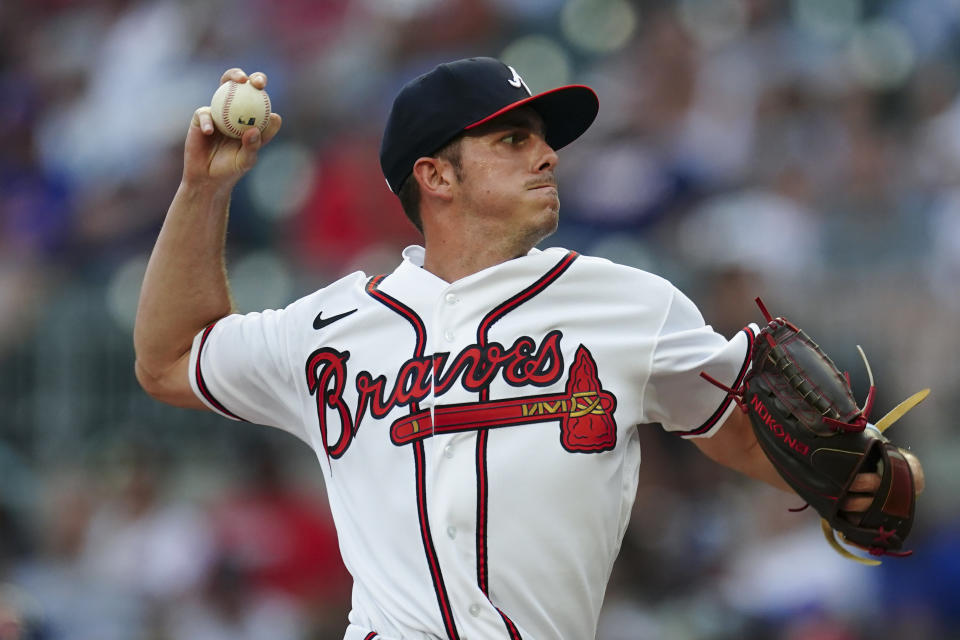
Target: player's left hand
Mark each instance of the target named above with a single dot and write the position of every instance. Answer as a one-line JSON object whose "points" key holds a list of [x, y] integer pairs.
{"points": [[865, 486]]}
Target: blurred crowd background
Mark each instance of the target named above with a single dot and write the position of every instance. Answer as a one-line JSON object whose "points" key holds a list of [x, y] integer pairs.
{"points": [[807, 151]]}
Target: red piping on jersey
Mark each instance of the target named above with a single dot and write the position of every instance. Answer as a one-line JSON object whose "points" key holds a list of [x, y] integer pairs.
{"points": [[509, 305], [403, 310], [433, 564], [370, 636], [201, 383], [482, 485], [443, 600], [482, 494], [712, 420]]}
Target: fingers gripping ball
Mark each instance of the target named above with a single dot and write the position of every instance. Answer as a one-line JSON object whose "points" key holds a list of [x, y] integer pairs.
{"points": [[238, 106]]}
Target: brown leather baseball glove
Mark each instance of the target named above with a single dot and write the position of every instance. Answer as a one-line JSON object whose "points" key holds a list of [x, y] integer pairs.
{"points": [[811, 428]]}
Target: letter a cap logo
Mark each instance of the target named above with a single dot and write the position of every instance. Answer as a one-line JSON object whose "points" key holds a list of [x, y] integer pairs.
{"points": [[516, 81]]}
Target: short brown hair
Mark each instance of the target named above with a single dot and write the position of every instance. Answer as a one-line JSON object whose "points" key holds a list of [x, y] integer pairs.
{"points": [[409, 192]]}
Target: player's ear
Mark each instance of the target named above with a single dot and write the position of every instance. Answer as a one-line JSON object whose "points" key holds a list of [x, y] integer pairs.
{"points": [[436, 176]]}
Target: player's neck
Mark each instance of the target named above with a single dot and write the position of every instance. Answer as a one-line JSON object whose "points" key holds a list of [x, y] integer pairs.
{"points": [[453, 258], [459, 242]]}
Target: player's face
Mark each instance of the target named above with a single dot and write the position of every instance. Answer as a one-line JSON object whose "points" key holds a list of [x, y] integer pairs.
{"points": [[508, 176]]}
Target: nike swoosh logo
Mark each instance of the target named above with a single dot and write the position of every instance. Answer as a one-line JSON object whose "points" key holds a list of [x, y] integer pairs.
{"points": [[320, 322]]}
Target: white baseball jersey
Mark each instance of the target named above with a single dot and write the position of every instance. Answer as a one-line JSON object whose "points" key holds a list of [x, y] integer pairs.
{"points": [[478, 438]]}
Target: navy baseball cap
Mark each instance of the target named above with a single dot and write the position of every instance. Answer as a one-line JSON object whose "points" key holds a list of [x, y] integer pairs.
{"points": [[454, 97]]}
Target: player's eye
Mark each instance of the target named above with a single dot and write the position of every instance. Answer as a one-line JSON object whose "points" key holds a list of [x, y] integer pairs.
{"points": [[514, 138]]}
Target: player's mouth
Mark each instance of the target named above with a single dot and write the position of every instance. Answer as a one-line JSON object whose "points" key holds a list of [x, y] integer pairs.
{"points": [[546, 180]]}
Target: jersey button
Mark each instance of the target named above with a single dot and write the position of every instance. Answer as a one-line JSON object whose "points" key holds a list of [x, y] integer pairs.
{"points": [[475, 610], [448, 451], [448, 335], [451, 298], [452, 532]]}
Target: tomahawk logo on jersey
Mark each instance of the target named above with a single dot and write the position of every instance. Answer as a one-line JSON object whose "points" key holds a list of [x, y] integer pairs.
{"points": [[464, 426]]}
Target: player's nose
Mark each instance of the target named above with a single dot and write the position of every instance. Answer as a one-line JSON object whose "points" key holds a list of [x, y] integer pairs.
{"points": [[547, 157]]}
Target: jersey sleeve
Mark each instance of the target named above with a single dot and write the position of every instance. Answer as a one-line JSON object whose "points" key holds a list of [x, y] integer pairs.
{"points": [[676, 395], [240, 368]]}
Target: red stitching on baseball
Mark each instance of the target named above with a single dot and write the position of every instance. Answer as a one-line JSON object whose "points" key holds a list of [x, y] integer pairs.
{"points": [[225, 115], [266, 114]]}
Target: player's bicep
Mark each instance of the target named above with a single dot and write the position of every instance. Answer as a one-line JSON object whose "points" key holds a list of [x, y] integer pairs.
{"points": [[172, 386]]}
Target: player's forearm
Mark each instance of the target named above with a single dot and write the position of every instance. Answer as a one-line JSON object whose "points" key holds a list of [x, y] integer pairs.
{"points": [[185, 286], [755, 464], [735, 446]]}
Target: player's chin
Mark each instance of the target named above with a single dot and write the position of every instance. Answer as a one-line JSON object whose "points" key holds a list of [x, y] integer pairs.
{"points": [[546, 204], [546, 223], [546, 197]]}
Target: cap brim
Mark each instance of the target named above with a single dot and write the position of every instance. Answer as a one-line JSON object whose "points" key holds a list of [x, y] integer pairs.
{"points": [[567, 112]]}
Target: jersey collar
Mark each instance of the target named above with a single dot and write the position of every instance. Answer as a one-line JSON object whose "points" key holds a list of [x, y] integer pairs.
{"points": [[414, 254]]}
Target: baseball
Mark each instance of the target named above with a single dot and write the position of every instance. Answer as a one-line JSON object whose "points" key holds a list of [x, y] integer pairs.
{"points": [[236, 107]]}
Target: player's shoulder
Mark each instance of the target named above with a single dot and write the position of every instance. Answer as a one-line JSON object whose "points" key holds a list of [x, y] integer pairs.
{"points": [[605, 272], [348, 287], [345, 291]]}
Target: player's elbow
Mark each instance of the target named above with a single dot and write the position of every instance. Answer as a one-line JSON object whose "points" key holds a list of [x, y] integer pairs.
{"points": [[149, 382], [170, 385], [152, 383]]}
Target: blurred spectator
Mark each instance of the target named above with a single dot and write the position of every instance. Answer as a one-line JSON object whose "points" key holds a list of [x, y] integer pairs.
{"points": [[944, 258], [921, 595], [13, 622], [72, 601], [279, 544], [141, 541], [350, 209], [36, 209], [228, 608], [763, 230], [868, 222]]}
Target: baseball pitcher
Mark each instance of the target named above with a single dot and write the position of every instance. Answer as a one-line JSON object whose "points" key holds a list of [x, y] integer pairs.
{"points": [[474, 411]]}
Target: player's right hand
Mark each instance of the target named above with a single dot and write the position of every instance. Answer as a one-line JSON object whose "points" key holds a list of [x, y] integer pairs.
{"points": [[214, 160]]}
